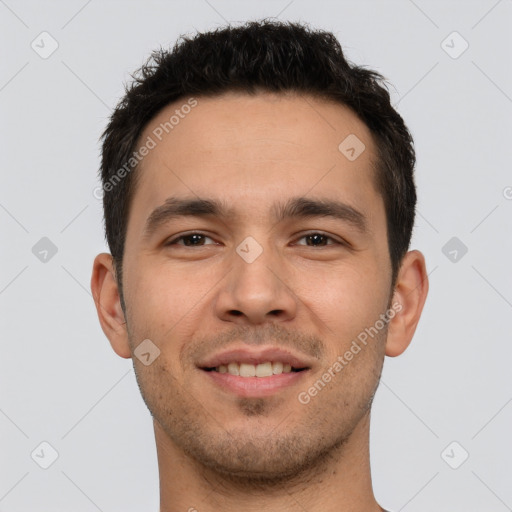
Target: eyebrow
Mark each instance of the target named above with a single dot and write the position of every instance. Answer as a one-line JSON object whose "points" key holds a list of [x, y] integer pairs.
{"points": [[296, 207]]}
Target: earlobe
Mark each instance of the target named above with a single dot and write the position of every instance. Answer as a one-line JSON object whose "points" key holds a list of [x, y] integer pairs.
{"points": [[408, 300], [108, 305]]}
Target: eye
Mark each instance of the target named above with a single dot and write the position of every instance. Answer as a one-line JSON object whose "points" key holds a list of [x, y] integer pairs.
{"points": [[189, 240], [196, 239], [317, 238]]}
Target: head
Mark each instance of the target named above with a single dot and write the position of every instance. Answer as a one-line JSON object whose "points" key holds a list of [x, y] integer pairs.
{"points": [[248, 142]]}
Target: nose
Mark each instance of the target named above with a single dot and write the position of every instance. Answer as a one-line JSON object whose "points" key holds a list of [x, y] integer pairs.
{"points": [[256, 292]]}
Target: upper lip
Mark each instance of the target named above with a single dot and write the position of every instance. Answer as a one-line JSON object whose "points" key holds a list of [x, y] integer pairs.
{"points": [[255, 356]]}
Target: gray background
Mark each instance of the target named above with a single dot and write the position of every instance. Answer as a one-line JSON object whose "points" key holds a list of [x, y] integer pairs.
{"points": [[61, 382]]}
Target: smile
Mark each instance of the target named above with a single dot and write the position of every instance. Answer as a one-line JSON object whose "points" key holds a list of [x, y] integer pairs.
{"points": [[266, 369]]}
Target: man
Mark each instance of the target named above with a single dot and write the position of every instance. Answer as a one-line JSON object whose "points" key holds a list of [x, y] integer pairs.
{"points": [[259, 202]]}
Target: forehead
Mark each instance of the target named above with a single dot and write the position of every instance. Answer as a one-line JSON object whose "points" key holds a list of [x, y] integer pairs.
{"points": [[250, 151]]}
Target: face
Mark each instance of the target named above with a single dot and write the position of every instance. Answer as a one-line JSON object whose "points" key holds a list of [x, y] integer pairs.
{"points": [[287, 263]]}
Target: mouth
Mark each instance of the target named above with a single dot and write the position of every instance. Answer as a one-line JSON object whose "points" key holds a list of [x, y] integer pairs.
{"points": [[255, 373], [261, 370]]}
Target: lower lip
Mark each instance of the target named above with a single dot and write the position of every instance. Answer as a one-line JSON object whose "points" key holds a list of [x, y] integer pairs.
{"points": [[255, 386]]}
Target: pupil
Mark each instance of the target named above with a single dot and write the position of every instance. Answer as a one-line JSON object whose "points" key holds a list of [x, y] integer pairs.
{"points": [[315, 237], [190, 237]]}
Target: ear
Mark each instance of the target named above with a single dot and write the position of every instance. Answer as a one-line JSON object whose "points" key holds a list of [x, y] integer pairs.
{"points": [[409, 297], [108, 304]]}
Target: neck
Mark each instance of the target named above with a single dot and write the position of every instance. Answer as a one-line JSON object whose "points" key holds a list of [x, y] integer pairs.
{"points": [[338, 482]]}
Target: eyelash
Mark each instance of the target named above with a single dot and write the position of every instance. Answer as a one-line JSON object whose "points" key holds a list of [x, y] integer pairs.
{"points": [[181, 237]]}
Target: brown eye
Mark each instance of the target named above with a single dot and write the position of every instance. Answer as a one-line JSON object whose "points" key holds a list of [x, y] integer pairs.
{"points": [[189, 240], [317, 239]]}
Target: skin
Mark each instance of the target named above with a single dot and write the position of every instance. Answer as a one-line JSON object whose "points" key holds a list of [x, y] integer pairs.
{"points": [[216, 450]]}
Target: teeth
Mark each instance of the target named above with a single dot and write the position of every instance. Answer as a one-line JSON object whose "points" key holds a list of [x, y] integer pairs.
{"points": [[251, 370], [277, 368], [247, 370], [264, 370], [234, 368]]}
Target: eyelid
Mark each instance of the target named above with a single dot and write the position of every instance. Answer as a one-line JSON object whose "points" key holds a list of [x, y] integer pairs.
{"points": [[179, 237], [336, 240]]}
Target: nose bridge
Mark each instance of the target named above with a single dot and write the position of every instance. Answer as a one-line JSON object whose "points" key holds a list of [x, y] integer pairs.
{"points": [[256, 285], [256, 266]]}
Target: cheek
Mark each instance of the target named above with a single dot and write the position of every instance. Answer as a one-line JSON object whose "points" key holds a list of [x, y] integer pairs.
{"points": [[168, 304], [162, 292], [344, 299]]}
